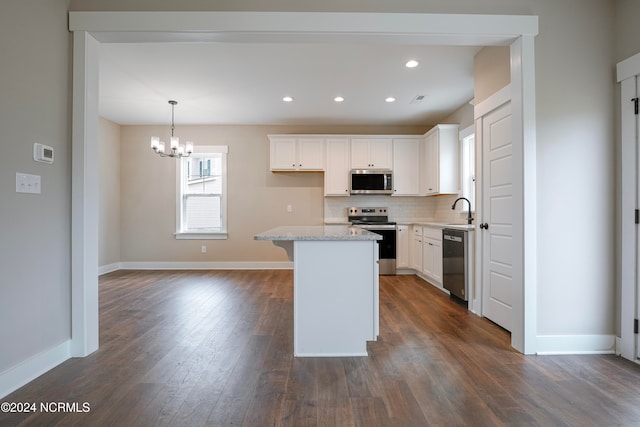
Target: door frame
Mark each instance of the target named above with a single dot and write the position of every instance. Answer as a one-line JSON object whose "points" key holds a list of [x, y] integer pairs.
{"points": [[92, 28], [628, 74], [493, 102]]}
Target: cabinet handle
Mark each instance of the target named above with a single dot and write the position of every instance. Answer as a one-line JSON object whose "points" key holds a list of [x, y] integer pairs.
{"points": [[484, 225]]}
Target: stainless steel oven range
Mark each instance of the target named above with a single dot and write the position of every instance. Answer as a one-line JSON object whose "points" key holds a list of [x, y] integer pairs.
{"points": [[377, 220]]}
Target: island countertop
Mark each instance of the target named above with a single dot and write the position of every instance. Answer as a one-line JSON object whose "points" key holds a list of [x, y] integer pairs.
{"points": [[317, 232]]}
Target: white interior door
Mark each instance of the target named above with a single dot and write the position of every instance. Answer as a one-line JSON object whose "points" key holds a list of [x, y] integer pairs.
{"points": [[496, 229]]}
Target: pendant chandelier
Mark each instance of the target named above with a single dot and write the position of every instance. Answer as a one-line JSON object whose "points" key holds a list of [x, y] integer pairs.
{"points": [[176, 150]]}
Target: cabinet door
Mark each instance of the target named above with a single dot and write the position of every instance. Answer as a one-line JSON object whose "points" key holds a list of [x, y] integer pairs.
{"points": [[415, 255], [381, 153], [427, 257], [402, 239], [336, 175], [283, 154], [440, 161], [431, 163], [436, 271], [360, 153], [310, 154], [406, 167]]}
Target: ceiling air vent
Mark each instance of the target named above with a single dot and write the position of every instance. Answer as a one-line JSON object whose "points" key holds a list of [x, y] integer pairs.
{"points": [[417, 99]]}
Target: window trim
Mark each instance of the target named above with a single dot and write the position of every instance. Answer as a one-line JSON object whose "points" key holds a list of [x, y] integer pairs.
{"points": [[203, 235]]}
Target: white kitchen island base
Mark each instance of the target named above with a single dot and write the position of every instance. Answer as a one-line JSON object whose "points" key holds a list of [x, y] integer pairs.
{"points": [[335, 288], [335, 297]]}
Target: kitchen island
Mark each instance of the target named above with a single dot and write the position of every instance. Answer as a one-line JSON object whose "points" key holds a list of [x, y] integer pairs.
{"points": [[335, 288]]}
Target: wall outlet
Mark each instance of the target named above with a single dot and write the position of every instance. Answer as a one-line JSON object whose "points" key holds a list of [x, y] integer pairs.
{"points": [[26, 183], [289, 208], [203, 249]]}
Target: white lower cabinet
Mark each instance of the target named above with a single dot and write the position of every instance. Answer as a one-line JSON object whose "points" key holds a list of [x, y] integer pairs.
{"points": [[425, 253], [432, 260], [402, 247], [415, 252], [432, 254]]}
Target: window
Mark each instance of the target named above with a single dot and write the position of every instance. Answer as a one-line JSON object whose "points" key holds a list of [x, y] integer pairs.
{"points": [[468, 166], [202, 199]]}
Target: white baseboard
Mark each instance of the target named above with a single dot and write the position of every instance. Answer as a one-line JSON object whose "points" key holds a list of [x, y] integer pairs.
{"points": [[30, 369], [104, 269], [229, 265], [576, 344]]}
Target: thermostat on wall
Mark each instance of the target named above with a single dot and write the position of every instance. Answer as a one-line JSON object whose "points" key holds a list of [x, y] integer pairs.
{"points": [[42, 153]]}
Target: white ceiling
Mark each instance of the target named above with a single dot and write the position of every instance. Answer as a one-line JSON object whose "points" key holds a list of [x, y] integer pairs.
{"points": [[243, 83]]}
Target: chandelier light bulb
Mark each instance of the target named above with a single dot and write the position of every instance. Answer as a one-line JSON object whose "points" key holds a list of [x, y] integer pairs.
{"points": [[189, 147], [155, 142], [161, 147], [175, 142]]}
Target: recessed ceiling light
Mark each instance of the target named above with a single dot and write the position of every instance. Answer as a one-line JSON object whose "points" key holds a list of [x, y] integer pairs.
{"points": [[390, 99], [411, 63], [287, 99], [338, 99]]}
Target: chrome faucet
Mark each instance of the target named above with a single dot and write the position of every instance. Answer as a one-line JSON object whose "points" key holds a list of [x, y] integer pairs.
{"points": [[469, 218]]}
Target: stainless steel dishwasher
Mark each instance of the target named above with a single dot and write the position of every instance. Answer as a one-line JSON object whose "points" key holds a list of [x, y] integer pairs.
{"points": [[455, 277]]}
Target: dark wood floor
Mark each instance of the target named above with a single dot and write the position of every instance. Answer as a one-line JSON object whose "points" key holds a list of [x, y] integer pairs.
{"points": [[215, 348]]}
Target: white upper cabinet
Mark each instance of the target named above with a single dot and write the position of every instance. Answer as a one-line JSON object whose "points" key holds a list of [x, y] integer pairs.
{"points": [[293, 153], [406, 166], [337, 167], [371, 153], [440, 161]]}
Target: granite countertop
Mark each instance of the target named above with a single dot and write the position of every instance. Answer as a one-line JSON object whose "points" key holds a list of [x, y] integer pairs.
{"points": [[317, 232], [469, 227], [410, 221]]}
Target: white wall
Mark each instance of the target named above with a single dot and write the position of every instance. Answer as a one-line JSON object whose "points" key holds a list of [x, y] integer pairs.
{"points": [[35, 238], [576, 222]]}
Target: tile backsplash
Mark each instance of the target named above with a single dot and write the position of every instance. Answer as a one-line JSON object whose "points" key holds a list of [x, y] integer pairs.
{"points": [[401, 209]]}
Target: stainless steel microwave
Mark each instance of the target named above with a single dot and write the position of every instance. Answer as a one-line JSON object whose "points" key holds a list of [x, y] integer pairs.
{"points": [[371, 181]]}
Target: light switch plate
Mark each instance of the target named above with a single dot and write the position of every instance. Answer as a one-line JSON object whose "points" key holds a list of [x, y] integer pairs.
{"points": [[27, 183]]}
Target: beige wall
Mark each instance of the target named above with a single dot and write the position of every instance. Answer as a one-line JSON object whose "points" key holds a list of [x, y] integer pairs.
{"points": [[491, 71], [35, 245], [463, 116], [257, 200], [109, 209], [627, 44]]}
